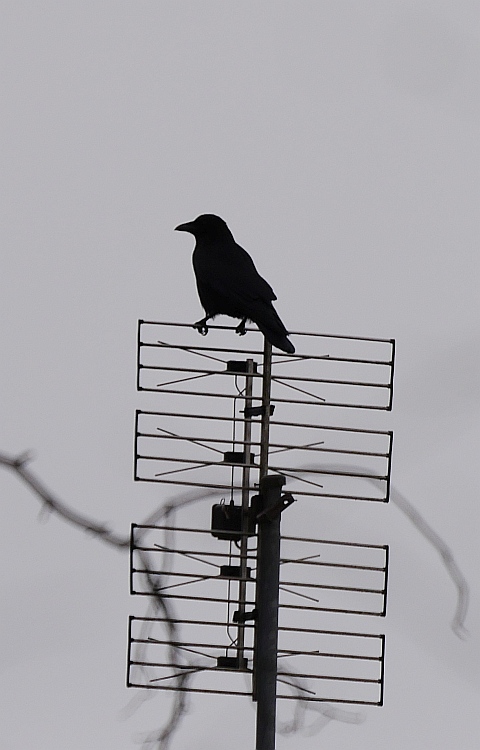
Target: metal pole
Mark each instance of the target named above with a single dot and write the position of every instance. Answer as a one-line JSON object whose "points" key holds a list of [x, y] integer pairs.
{"points": [[247, 439], [268, 574], [267, 599], [266, 388], [264, 438]]}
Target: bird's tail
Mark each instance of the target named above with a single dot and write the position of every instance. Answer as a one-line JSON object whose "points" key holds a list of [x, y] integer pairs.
{"points": [[274, 331]]}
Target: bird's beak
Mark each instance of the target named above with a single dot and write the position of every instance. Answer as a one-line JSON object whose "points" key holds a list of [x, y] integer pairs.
{"points": [[188, 227]]}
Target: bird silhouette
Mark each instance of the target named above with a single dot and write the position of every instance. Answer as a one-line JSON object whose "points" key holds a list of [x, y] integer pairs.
{"points": [[229, 284]]}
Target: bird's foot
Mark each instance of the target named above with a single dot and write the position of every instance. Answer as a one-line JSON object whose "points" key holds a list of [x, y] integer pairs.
{"points": [[240, 329], [201, 326]]}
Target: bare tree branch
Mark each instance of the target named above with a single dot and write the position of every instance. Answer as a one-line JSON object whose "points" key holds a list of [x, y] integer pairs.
{"points": [[161, 738], [431, 536], [19, 465]]}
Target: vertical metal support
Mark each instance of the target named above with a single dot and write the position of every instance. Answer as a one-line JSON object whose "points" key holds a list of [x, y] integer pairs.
{"points": [[389, 466], [267, 600], [392, 371], [247, 440], [267, 580], [266, 388], [385, 588], [382, 674], [139, 342]]}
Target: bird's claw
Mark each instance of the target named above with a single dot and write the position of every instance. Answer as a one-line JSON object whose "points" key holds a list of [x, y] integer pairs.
{"points": [[240, 329], [201, 327]]}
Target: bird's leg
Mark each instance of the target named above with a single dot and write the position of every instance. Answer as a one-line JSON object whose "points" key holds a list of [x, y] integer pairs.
{"points": [[240, 329], [201, 325]]}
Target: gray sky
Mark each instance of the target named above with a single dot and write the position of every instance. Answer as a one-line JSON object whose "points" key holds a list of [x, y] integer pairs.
{"points": [[340, 142]]}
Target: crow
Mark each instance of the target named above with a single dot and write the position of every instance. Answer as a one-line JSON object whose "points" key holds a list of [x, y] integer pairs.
{"points": [[229, 284]]}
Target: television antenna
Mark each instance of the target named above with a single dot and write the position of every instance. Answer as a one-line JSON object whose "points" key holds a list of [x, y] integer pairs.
{"points": [[243, 424]]}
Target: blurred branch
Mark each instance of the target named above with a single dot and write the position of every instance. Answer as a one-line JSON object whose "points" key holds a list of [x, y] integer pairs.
{"points": [[19, 465], [447, 557], [161, 738], [430, 535], [51, 503]]}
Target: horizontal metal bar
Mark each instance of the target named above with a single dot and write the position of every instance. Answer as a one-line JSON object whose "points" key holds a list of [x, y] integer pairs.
{"points": [[337, 543], [291, 333], [333, 610], [240, 420], [299, 357], [233, 555], [186, 597], [197, 462], [206, 668], [323, 699], [275, 400], [236, 556], [182, 644], [300, 607], [254, 488], [279, 469], [331, 632], [346, 566], [329, 700], [186, 667], [329, 587], [324, 654], [307, 675], [285, 537], [281, 379], [217, 623], [255, 443], [321, 472], [247, 579], [197, 577], [191, 689], [177, 528]]}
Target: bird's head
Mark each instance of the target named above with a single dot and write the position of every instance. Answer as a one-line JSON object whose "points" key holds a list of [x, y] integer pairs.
{"points": [[206, 225]]}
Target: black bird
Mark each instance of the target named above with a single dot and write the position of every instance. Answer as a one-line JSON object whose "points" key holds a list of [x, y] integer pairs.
{"points": [[229, 284]]}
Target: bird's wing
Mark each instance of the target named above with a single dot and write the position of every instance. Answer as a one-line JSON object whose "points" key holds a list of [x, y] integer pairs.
{"points": [[228, 281], [242, 278]]}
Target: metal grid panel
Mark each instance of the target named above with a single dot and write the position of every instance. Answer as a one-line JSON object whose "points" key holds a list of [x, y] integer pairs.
{"points": [[348, 371], [207, 434], [197, 437], [316, 576], [340, 667], [317, 459]]}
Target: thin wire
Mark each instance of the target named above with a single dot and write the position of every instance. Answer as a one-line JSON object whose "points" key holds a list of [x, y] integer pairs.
{"points": [[300, 390], [307, 446], [183, 380], [200, 465], [190, 440], [189, 350], [186, 554]]}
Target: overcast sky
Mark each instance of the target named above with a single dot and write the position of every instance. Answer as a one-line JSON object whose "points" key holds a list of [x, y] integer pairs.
{"points": [[339, 139]]}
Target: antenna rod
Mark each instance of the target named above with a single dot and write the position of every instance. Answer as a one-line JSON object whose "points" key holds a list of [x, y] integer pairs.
{"points": [[247, 447], [266, 389]]}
